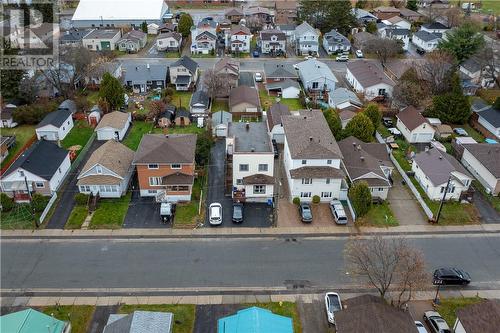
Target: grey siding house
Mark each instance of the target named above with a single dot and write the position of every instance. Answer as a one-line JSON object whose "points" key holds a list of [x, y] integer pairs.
{"points": [[132, 41], [272, 41], [317, 78], [307, 39], [144, 77], [334, 42]]}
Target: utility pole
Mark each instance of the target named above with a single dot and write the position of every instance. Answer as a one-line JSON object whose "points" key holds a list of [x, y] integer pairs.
{"points": [[31, 201], [442, 200]]}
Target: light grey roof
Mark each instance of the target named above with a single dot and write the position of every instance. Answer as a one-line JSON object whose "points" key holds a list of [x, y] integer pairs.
{"points": [[394, 31], [280, 70], [283, 84], [368, 73], [313, 69], [140, 73], [305, 28], [381, 25], [187, 62], [207, 34], [472, 65], [175, 35], [478, 104], [341, 95], [250, 137], [361, 13], [102, 34], [68, 104], [287, 27], [200, 97], [438, 165], [140, 322], [426, 36], [207, 23], [73, 35], [334, 37], [308, 42]]}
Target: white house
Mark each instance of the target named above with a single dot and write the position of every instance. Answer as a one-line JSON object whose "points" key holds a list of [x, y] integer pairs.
{"points": [[369, 79], [274, 122], [107, 171], [334, 42], [425, 40], [433, 168], [344, 99], [113, 126], [199, 105], [397, 21], [312, 158], [184, 73], [42, 168], [414, 127], [240, 39], [306, 39], [316, 76], [55, 126], [102, 39], [253, 161], [169, 41], [435, 28], [204, 37], [153, 29], [400, 34], [285, 89], [489, 118], [272, 41], [482, 161]]}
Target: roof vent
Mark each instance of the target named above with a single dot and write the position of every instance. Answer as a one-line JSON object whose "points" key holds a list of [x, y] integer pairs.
{"points": [[440, 157], [310, 138], [252, 149], [362, 158], [247, 126]]}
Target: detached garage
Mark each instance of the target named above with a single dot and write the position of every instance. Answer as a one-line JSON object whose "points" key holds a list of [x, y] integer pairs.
{"points": [[285, 89], [55, 126], [113, 126], [414, 127]]}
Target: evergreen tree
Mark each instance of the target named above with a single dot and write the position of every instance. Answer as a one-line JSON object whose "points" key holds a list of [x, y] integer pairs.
{"points": [[412, 5], [372, 111], [185, 24], [361, 198], [452, 107], [334, 122], [111, 91], [463, 42], [328, 15], [361, 127], [144, 27]]}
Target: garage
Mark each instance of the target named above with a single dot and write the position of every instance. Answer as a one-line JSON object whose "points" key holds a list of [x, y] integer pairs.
{"points": [[285, 89]]}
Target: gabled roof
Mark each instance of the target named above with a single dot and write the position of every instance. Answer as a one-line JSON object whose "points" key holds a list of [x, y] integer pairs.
{"points": [[187, 62], [173, 148], [275, 113], [207, 24], [240, 29], [244, 94], [394, 31], [341, 95], [361, 13], [491, 115], [257, 10], [102, 34], [267, 34], [234, 11], [68, 104], [487, 154], [287, 27], [29, 321], [426, 36], [335, 37], [313, 69], [43, 159], [368, 73], [115, 119], [200, 97], [206, 34], [304, 28], [227, 65], [478, 104], [405, 12], [134, 34], [255, 320], [279, 70], [471, 65], [483, 317], [287, 83], [316, 172], [171, 34], [250, 137], [438, 165], [258, 179], [385, 9], [140, 322], [182, 112], [435, 26], [55, 118], [309, 137], [136, 72], [411, 117]]}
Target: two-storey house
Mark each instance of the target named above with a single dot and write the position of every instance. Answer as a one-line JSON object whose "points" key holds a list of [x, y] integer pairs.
{"points": [[204, 37], [240, 38], [307, 39], [272, 41], [184, 73], [317, 79]]}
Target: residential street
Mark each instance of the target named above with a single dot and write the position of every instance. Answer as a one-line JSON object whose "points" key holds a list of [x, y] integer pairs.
{"points": [[307, 264]]}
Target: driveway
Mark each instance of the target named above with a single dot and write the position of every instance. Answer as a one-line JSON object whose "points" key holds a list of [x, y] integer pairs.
{"points": [[66, 200], [100, 317], [487, 213], [207, 316], [313, 317], [404, 205]]}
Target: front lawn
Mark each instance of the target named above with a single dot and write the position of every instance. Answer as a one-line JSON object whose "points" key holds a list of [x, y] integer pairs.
{"points": [[80, 316], [23, 134], [448, 307], [187, 213], [172, 55], [20, 217], [184, 314], [379, 215], [473, 133], [287, 309], [77, 217], [267, 101], [110, 213], [136, 131], [79, 135], [181, 98]]}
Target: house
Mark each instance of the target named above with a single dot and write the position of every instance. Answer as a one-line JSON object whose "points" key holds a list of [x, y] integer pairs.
{"points": [[317, 78], [73, 37], [6, 143], [30, 320], [55, 125], [244, 101], [229, 69], [277, 72], [410, 15], [285, 89], [165, 166], [395, 68], [312, 158], [250, 149], [372, 314], [400, 34], [483, 317], [335, 42], [346, 116], [204, 37], [95, 74], [132, 41], [153, 29], [472, 68], [68, 105], [234, 14], [255, 320], [220, 122], [344, 99], [169, 41], [182, 117], [42, 168], [426, 41], [184, 73], [368, 78], [272, 42], [435, 4], [397, 21], [107, 171], [240, 39], [435, 28], [489, 119], [362, 39], [481, 160], [384, 13], [433, 168], [167, 117], [113, 126], [274, 122], [289, 30], [362, 16], [102, 39], [286, 11], [306, 39], [6, 118], [261, 14], [109, 13], [167, 27], [367, 162], [414, 127], [142, 77], [199, 106], [140, 321], [34, 36]]}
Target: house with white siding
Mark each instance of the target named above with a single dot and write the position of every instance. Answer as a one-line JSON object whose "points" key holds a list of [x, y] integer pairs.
{"points": [[184, 73], [369, 79], [306, 39], [426, 41], [482, 161], [274, 122], [240, 39], [414, 127], [489, 118], [102, 40], [55, 125], [334, 42], [169, 41], [317, 78], [113, 126]]}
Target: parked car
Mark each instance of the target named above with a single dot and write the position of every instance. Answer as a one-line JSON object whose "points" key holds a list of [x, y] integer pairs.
{"points": [[359, 54], [167, 211], [238, 212], [420, 51], [460, 131], [305, 212], [436, 322], [387, 121], [342, 58], [295, 67], [338, 212], [394, 131], [258, 77], [332, 304], [451, 276], [215, 214], [420, 327], [256, 54], [307, 57], [275, 149]]}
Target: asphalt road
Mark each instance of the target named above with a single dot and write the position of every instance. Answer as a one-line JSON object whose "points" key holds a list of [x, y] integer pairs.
{"points": [[184, 263]]}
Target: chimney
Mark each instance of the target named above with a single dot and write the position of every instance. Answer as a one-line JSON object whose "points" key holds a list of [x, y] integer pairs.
{"points": [[310, 138]]}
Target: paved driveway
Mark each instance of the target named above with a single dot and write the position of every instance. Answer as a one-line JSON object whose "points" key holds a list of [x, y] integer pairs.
{"points": [[313, 317], [403, 204], [207, 316], [487, 213]]}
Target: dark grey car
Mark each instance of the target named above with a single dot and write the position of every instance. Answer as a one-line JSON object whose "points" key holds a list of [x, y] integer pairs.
{"points": [[305, 212], [238, 212]]}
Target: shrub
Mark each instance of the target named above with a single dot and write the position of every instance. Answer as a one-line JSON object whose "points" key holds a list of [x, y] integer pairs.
{"points": [[361, 198], [6, 202], [81, 199], [296, 201], [38, 202], [316, 199], [139, 116]]}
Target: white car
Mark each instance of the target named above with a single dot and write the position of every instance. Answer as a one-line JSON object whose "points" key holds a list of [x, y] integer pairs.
{"points": [[394, 131], [307, 57], [420, 327], [258, 77], [332, 304], [338, 212], [296, 67], [215, 214], [342, 57], [436, 322], [359, 54]]}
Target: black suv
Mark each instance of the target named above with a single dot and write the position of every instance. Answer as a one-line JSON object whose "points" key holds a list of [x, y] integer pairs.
{"points": [[450, 276]]}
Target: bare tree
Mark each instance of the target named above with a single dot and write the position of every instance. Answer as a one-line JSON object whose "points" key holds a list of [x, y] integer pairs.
{"points": [[397, 3], [489, 63], [215, 84], [436, 70], [384, 48], [390, 265], [453, 16], [255, 23]]}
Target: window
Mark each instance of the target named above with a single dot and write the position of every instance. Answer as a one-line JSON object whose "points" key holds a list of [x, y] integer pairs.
{"points": [[442, 189], [64, 128], [178, 188], [87, 188], [328, 180], [68, 122], [263, 167], [153, 166], [243, 167], [39, 185], [154, 181], [114, 188], [239, 181], [326, 194], [381, 92], [82, 188], [102, 188], [306, 181], [305, 194], [328, 161], [259, 189], [304, 162], [380, 189], [152, 191], [315, 85], [175, 166], [98, 169]]}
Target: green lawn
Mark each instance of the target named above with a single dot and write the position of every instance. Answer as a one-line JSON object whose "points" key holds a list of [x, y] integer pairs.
{"points": [[138, 129], [23, 133], [93, 97], [493, 5], [379, 215], [20, 217], [287, 309], [191, 129], [172, 55], [267, 101], [187, 213], [489, 95], [110, 213], [80, 316], [448, 307], [79, 135], [184, 314], [77, 217], [220, 106], [181, 98], [473, 133]]}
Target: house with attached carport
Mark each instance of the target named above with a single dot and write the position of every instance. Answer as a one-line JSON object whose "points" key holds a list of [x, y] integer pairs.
{"points": [[433, 168], [367, 162], [249, 148], [199, 106], [55, 125], [42, 168], [132, 41], [144, 77], [414, 127], [369, 79], [274, 122], [107, 171], [102, 40], [245, 102], [183, 73], [483, 162], [113, 126]]}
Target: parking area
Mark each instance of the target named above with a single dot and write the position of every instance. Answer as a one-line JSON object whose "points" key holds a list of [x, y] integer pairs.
{"points": [[288, 216], [246, 79], [487, 212]]}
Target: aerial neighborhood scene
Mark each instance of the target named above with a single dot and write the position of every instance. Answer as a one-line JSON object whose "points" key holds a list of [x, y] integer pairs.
{"points": [[250, 166]]}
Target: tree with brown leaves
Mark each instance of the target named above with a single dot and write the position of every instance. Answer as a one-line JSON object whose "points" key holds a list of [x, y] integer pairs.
{"points": [[215, 84], [436, 70], [155, 109]]}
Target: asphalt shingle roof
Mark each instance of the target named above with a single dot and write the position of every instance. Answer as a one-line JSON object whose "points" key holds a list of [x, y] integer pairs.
{"points": [[438, 165], [55, 118], [411, 117], [275, 113], [140, 322], [491, 115], [187, 62], [138, 73], [368, 73], [305, 28], [244, 94], [280, 70], [313, 69], [487, 154], [115, 119], [200, 97], [483, 317], [426, 36], [174, 148]]}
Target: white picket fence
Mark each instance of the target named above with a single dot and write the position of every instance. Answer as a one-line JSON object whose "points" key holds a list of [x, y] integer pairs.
{"points": [[47, 208]]}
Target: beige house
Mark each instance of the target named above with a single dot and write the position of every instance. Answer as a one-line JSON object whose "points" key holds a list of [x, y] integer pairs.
{"points": [[113, 126], [244, 101]]}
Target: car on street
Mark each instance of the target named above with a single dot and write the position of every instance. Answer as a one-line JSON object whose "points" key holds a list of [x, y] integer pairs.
{"points": [[387, 121], [420, 51], [359, 54], [305, 212], [460, 131], [394, 131], [436, 322], [215, 213], [342, 58], [333, 304], [420, 327], [258, 77], [238, 212], [338, 212], [450, 276]]}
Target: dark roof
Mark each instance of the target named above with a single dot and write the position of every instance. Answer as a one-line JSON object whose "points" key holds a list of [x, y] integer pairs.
{"points": [[287, 83], [43, 159], [267, 34], [397, 32], [6, 112], [182, 79], [141, 73], [491, 115], [472, 65], [55, 118], [487, 154], [405, 12], [187, 62], [200, 97], [234, 11], [240, 28], [438, 165], [370, 314], [174, 148], [275, 113], [244, 94], [411, 117], [178, 178], [368, 73], [207, 34], [68, 105], [483, 317], [435, 26], [287, 27], [425, 35], [258, 179], [250, 137], [478, 104], [316, 172], [73, 35], [280, 70]]}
